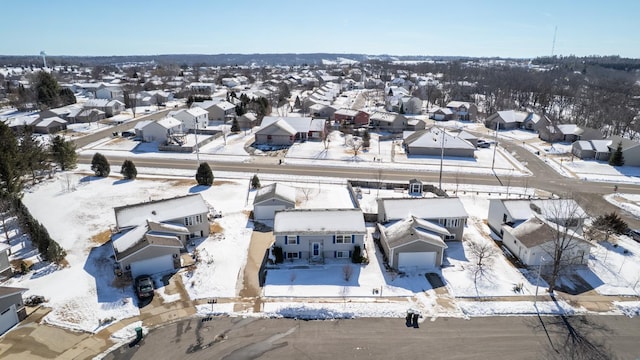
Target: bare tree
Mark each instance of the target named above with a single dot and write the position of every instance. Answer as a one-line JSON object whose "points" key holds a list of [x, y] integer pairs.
{"points": [[355, 144], [563, 219], [306, 192], [347, 271], [484, 253]]}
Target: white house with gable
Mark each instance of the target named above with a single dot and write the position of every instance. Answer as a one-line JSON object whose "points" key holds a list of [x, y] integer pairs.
{"points": [[318, 234]]}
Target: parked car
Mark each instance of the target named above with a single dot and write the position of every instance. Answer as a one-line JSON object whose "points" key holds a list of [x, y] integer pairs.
{"points": [[144, 286], [483, 144], [634, 234]]}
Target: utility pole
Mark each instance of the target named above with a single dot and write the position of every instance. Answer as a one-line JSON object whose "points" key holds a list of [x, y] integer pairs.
{"points": [[441, 159], [495, 147]]}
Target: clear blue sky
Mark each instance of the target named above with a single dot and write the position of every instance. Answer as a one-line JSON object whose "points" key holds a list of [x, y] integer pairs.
{"points": [[515, 28]]}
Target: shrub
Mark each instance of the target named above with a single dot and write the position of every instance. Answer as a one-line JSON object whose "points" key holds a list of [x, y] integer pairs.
{"points": [[100, 166], [204, 175], [356, 255], [277, 252]]}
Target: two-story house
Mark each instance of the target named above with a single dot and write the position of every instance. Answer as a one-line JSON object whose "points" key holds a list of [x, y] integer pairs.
{"points": [[150, 236], [318, 234]]}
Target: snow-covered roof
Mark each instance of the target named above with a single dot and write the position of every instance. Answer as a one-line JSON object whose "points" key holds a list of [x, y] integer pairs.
{"points": [[383, 117], [142, 124], [432, 138], [48, 121], [411, 229], [548, 208], [423, 208], [299, 124], [156, 227], [160, 210], [276, 128], [319, 221], [317, 125], [275, 190], [346, 112], [457, 104], [197, 111], [512, 116], [445, 111], [169, 122], [536, 231], [568, 129]]}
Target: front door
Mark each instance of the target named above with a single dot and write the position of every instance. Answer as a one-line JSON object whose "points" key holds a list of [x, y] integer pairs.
{"points": [[315, 249]]}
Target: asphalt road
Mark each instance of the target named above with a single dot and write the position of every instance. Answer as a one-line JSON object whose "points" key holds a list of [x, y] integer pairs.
{"points": [[88, 139], [366, 338]]}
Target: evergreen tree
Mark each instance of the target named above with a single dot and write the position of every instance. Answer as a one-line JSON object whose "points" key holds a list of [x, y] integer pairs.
{"points": [[617, 159], [255, 182], [128, 170], [47, 90], [67, 97], [610, 223], [204, 175], [366, 139], [235, 126], [100, 166], [33, 153], [401, 108], [64, 153], [297, 104], [12, 167]]}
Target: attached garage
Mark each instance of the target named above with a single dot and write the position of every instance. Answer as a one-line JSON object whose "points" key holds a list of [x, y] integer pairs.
{"points": [[11, 307], [272, 198], [266, 212], [8, 318], [416, 260], [413, 244], [152, 266]]}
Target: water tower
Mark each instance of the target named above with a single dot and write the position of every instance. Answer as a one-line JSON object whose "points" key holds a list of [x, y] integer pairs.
{"points": [[44, 57]]}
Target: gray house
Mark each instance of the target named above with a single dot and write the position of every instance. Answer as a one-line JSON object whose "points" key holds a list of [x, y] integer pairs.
{"points": [[318, 234], [435, 142], [272, 198], [591, 149], [413, 243], [381, 121], [5, 265], [151, 235], [448, 213], [12, 309]]}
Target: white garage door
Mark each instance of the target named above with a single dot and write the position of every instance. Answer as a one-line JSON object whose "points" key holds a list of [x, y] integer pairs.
{"points": [[266, 212], [152, 266], [416, 260], [438, 116], [8, 319]]}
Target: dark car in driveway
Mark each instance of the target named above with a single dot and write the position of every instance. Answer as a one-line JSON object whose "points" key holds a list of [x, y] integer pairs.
{"points": [[144, 287]]}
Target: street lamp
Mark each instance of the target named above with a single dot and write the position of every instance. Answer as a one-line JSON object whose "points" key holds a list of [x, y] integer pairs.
{"points": [[197, 146], [441, 159]]}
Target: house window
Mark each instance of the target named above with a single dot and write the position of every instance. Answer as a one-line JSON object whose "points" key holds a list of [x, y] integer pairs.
{"points": [[291, 240], [504, 218], [188, 221], [292, 255], [343, 239], [342, 254]]}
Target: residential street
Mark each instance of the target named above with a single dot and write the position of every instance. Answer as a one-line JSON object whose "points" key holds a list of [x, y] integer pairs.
{"points": [[365, 338]]}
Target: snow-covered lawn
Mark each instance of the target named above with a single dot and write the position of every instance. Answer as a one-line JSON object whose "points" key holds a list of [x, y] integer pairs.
{"points": [[75, 208], [627, 202]]}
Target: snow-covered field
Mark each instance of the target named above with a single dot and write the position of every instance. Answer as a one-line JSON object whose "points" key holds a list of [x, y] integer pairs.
{"points": [[78, 212]]}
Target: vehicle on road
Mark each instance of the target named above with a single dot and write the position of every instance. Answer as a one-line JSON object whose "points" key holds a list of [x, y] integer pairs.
{"points": [[144, 287], [483, 144]]}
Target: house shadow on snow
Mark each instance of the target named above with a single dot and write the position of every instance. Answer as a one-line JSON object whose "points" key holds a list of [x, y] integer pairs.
{"points": [[100, 265]]}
